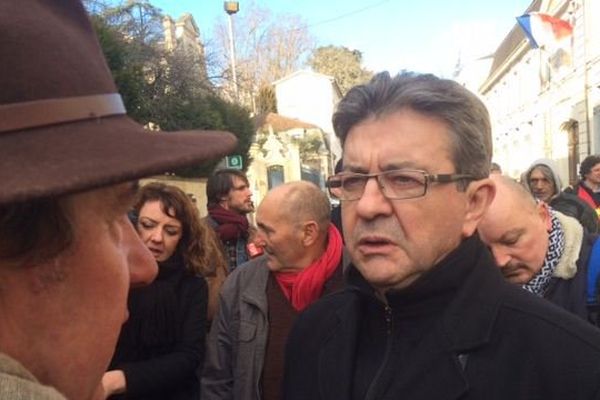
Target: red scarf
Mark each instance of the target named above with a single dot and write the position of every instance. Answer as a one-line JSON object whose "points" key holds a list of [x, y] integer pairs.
{"points": [[585, 196], [231, 225], [304, 287]]}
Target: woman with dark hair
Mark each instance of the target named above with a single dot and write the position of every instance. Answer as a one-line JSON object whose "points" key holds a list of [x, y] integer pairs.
{"points": [[161, 346]]}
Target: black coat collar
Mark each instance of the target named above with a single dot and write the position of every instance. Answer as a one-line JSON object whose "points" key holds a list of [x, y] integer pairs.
{"points": [[466, 323]]}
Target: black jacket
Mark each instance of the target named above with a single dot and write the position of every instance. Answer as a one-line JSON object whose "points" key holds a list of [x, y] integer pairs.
{"points": [[459, 332], [580, 185], [161, 346], [571, 205], [571, 294]]}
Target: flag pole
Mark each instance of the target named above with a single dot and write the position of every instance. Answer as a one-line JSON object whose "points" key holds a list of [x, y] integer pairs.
{"points": [[586, 99]]}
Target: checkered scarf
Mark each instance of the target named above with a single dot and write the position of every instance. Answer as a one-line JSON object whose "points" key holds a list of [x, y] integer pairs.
{"points": [[556, 245]]}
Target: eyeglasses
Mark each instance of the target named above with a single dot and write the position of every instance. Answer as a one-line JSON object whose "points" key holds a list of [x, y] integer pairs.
{"points": [[398, 184]]}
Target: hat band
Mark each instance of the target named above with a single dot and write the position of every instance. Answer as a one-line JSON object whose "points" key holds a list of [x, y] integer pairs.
{"points": [[34, 114]]}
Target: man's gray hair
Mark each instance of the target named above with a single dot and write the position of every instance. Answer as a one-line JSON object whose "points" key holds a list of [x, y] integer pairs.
{"points": [[547, 173], [466, 116]]}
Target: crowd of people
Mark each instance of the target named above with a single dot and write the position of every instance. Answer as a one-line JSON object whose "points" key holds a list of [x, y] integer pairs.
{"points": [[543, 235], [436, 277]]}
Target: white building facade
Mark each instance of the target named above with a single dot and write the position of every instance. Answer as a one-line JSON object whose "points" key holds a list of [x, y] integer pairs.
{"points": [[543, 105], [310, 97]]}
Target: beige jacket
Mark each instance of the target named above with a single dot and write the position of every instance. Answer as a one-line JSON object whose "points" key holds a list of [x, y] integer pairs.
{"points": [[16, 383]]}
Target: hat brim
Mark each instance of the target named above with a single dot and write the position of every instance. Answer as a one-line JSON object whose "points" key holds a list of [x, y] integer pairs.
{"points": [[62, 159]]}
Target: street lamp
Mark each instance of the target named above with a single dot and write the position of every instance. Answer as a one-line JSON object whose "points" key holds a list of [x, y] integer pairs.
{"points": [[232, 7]]}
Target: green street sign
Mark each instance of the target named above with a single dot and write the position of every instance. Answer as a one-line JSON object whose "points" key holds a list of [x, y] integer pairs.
{"points": [[234, 161]]}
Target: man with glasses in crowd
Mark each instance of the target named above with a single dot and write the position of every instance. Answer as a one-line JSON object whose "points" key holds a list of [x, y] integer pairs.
{"points": [[427, 315]]}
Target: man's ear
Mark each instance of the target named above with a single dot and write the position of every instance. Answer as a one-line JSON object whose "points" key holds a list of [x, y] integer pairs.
{"points": [[479, 195], [544, 212], [310, 233], [224, 202]]}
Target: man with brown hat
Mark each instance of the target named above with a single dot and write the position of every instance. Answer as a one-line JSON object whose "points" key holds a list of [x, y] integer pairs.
{"points": [[69, 158]]}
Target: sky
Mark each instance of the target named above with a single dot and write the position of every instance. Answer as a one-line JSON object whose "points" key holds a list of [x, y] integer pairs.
{"points": [[418, 35]]}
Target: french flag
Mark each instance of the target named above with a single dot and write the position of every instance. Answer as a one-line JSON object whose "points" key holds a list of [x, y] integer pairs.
{"points": [[544, 30]]}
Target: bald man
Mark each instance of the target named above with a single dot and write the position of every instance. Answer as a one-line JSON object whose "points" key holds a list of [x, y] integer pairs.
{"points": [[259, 302], [537, 247]]}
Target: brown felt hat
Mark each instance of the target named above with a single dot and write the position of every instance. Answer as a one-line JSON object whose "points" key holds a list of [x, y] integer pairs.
{"points": [[63, 126]]}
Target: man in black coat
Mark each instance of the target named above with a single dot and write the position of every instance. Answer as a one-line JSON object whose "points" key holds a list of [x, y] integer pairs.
{"points": [[427, 314]]}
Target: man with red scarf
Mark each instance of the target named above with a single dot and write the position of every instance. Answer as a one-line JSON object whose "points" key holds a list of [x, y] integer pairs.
{"points": [[259, 302], [229, 201]]}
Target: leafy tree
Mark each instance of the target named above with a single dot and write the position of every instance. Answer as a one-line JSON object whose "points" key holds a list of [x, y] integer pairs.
{"points": [[128, 75], [310, 145], [236, 119], [343, 64], [138, 20], [212, 112], [164, 87]]}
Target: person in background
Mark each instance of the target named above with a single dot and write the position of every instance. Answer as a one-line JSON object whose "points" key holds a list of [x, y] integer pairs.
{"points": [[260, 300], [543, 181], [426, 313], [161, 346], [538, 248], [68, 252], [588, 188], [229, 202]]}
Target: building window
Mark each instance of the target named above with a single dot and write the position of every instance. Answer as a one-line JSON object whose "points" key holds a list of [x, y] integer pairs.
{"points": [[311, 175], [275, 176]]}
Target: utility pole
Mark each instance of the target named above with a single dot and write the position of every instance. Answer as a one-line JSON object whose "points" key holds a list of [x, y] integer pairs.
{"points": [[232, 7]]}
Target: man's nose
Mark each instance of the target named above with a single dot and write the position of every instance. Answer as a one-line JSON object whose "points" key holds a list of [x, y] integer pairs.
{"points": [[142, 265], [501, 256], [372, 202]]}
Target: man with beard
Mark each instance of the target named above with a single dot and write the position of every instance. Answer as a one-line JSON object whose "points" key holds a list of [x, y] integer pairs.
{"points": [[539, 248], [229, 201]]}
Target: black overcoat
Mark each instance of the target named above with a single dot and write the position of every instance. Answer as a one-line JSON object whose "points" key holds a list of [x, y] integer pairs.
{"points": [[490, 340]]}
